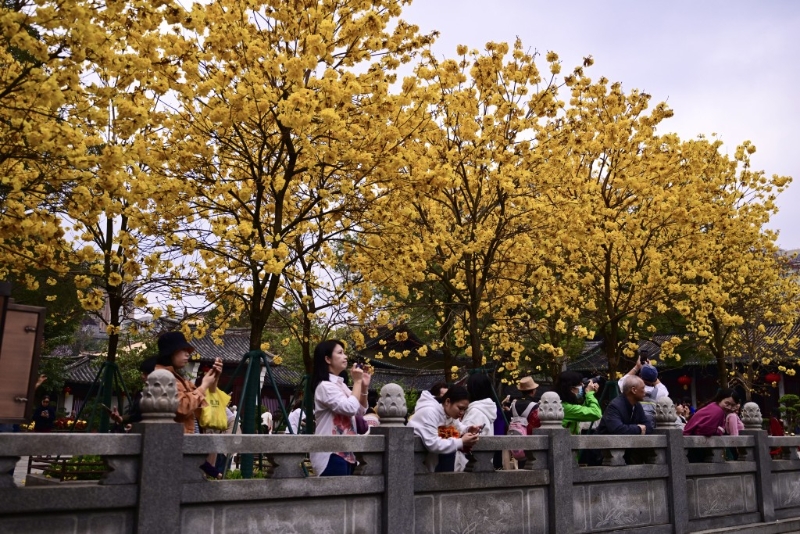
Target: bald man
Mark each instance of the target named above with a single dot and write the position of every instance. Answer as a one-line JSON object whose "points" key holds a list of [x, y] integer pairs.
{"points": [[624, 414]]}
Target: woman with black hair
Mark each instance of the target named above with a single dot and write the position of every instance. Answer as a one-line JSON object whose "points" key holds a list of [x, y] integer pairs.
{"points": [[710, 419], [430, 424], [579, 402], [173, 355], [335, 406], [481, 412]]}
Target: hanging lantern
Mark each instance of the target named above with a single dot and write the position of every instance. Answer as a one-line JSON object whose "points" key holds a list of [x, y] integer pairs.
{"points": [[685, 381], [772, 378], [67, 390]]}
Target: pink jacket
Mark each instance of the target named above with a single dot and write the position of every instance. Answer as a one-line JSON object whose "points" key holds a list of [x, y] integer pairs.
{"points": [[733, 425]]}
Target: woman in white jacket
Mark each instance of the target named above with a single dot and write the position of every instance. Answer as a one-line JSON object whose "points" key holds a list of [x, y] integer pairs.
{"points": [[430, 424], [481, 412]]}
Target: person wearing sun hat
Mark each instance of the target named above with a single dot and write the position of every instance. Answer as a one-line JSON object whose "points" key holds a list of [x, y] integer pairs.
{"points": [[173, 355], [527, 386]]}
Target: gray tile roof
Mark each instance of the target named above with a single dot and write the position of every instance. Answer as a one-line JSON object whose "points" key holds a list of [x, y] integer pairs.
{"points": [[83, 370], [235, 344]]}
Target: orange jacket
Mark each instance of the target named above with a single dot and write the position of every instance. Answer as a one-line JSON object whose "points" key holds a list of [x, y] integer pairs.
{"points": [[190, 401]]}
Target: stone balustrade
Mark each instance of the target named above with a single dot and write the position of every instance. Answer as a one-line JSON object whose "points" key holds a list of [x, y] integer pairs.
{"points": [[156, 486]]}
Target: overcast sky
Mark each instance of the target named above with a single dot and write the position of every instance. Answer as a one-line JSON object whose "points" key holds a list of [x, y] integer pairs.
{"points": [[724, 66]]}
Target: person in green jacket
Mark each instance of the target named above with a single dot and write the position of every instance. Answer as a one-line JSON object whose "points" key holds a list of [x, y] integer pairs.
{"points": [[579, 403]]}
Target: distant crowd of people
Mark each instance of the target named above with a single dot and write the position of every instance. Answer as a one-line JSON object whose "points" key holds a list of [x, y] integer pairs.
{"points": [[448, 419]]}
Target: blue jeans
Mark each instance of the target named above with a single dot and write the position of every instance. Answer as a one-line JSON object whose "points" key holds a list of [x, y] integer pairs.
{"points": [[337, 467]]}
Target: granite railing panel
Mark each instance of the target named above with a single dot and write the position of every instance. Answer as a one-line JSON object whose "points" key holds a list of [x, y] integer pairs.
{"points": [[722, 492], [482, 499], [617, 496], [785, 468], [286, 478], [287, 499], [107, 505]]}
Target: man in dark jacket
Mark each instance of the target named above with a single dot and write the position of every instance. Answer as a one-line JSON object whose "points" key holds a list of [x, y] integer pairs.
{"points": [[624, 414]]}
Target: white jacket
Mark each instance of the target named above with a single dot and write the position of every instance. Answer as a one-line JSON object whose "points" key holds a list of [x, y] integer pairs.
{"points": [[481, 412], [428, 417]]}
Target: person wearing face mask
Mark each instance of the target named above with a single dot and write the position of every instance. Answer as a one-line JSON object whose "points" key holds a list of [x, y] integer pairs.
{"points": [[442, 440], [335, 406], [579, 402]]}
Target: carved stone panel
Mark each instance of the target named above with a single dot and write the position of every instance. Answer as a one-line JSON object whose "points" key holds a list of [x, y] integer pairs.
{"points": [[83, 523], [786, 488], [321, 516], [500, 512], [721, 495], [603, 507]]}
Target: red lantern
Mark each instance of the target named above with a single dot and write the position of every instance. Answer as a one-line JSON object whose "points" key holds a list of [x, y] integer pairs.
{"points": [[685, 381], [772, 377], [67, 390]]}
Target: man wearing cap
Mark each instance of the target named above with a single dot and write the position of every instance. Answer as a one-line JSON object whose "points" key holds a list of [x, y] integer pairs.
{"points": [[653, 388], [527, 387]]}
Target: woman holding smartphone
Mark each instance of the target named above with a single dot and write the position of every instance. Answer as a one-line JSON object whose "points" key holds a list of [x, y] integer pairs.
{"points": [[335, 405], [173, 355]]}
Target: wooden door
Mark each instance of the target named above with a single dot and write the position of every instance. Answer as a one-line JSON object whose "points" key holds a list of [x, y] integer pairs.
{"points": [[20, 347]]}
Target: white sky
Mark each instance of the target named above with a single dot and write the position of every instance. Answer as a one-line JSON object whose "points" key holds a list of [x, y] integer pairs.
{"points": [[728, 67]]}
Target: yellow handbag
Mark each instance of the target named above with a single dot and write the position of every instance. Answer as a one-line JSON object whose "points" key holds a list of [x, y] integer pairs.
{"points": [[213, 416]]}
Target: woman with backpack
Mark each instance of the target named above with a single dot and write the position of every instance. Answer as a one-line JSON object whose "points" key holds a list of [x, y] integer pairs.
{"points": [[525, 411], [524, 415]]}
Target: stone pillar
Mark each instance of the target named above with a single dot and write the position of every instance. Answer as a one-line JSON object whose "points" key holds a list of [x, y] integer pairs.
{"points": [[751, 417], [676, 462], [560, 462], [160, 478], [397, 508]]}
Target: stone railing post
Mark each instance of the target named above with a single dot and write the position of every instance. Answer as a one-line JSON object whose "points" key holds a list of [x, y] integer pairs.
{"points": [[676, 462], [751, 417], [160, 476], [397, 509], [560, 461]]}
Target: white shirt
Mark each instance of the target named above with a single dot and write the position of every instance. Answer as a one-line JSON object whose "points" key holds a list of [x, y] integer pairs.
{"points": [[266, 420], [335, 409], [652, 393], [294, 421]]}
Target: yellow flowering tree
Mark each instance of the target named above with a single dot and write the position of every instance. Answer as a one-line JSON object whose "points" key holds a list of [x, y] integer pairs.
{"points": [[642, 205], [283, 124], [119, 255], [743, 304], [465, 213], [42, 49]]}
